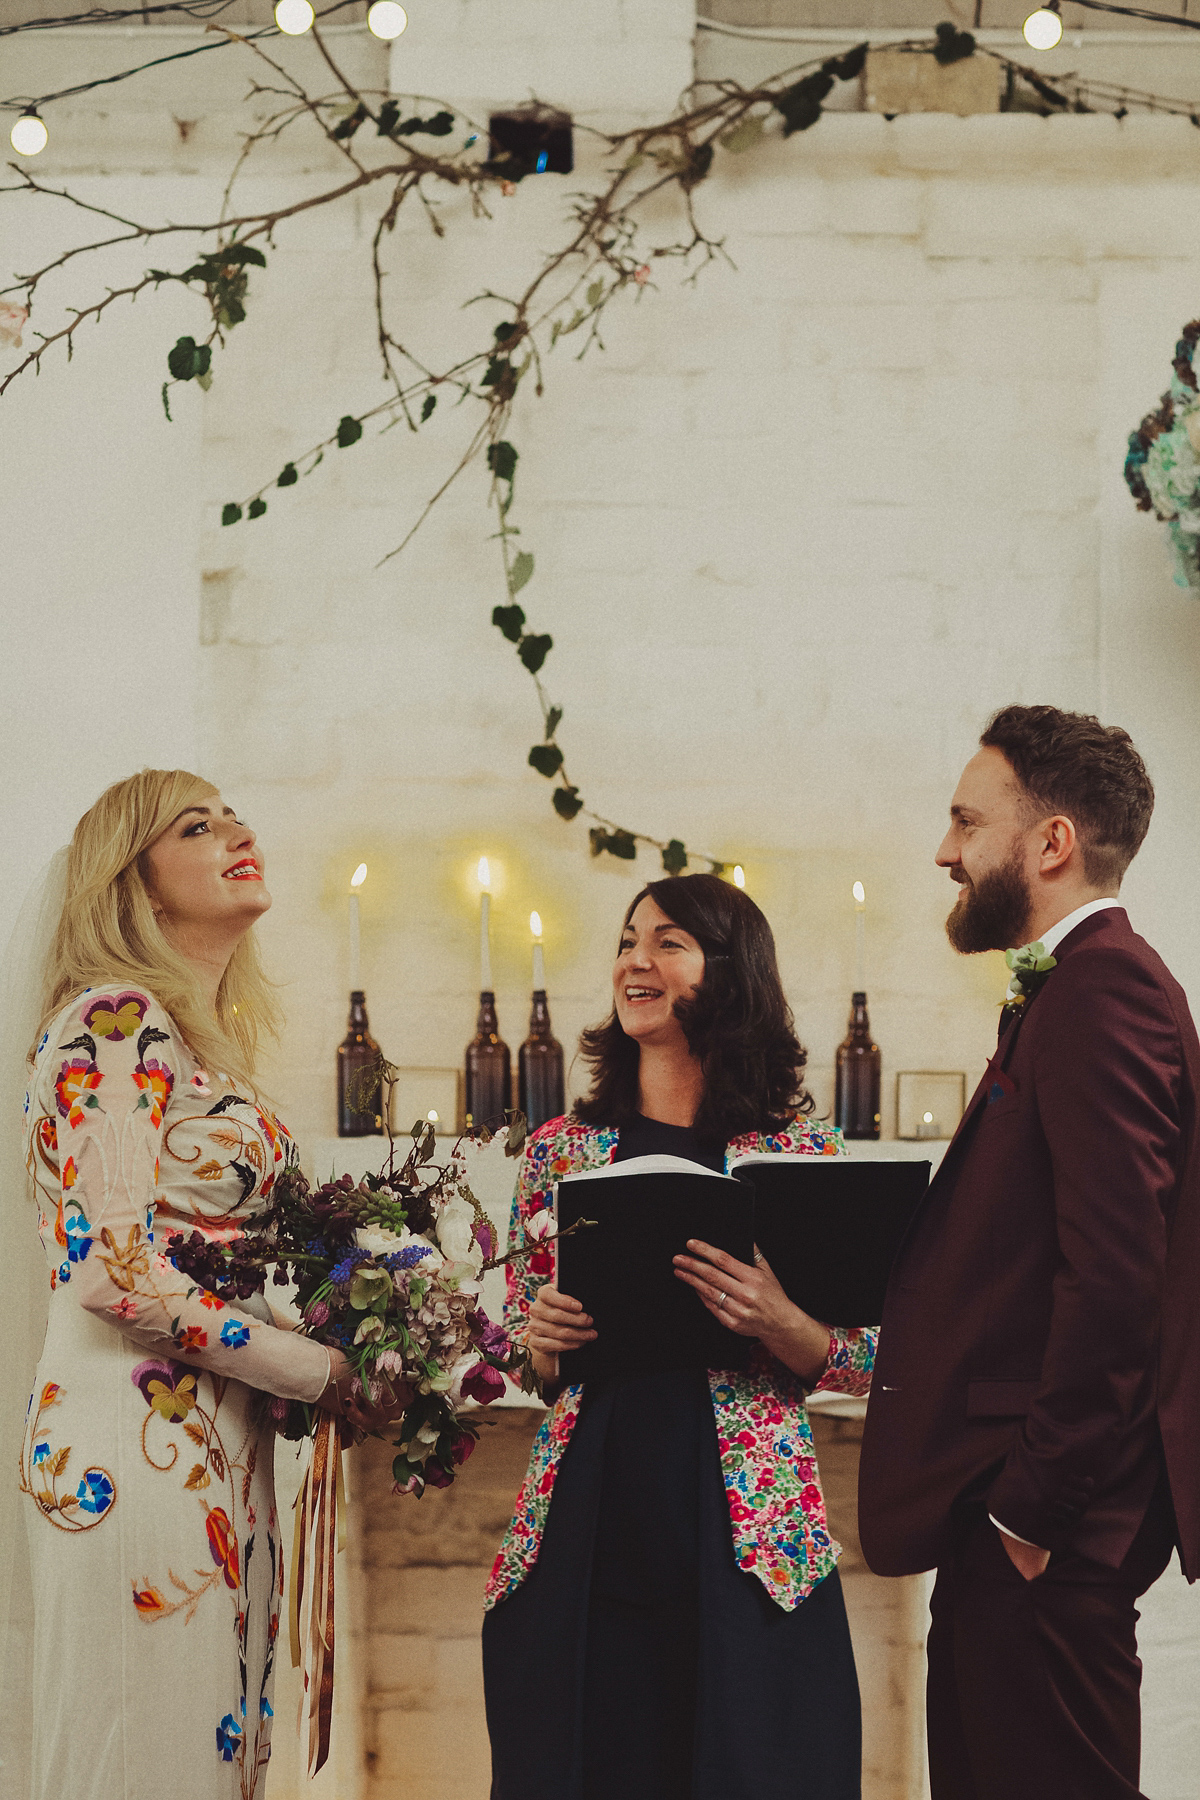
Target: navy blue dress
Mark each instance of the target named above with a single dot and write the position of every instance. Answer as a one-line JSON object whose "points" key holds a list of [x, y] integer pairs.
{"points": [[637, 1661]]}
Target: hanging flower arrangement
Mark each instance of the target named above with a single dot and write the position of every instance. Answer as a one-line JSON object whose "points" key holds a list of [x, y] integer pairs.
{"points": [[1162, 468]]}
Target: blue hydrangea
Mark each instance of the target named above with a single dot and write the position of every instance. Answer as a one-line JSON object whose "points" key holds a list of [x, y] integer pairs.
{"points": [[407, 1258]]}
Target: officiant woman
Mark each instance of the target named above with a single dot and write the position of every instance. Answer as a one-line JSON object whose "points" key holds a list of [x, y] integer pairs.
{"points": [[665, 1618]]}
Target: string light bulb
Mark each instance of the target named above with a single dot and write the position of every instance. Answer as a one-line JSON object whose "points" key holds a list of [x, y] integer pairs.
{"points": [[386, 19], [1043, 29], [294, 17], [28, 136], [739, 876]]}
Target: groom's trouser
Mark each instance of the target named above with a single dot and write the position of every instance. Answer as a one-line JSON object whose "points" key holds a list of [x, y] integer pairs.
{"points": [[1034, 1686]]}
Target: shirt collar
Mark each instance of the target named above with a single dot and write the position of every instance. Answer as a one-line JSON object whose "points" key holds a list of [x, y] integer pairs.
{"points": [[1051, 939]]}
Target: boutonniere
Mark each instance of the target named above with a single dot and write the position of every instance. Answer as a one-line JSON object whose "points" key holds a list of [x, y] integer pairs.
{"points": [[1028, 968]]}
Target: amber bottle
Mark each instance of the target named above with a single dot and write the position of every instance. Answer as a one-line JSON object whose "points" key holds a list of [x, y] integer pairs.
{"points": [[859, 1068], [488, 1094], [540, 1067], [360, 1101]]}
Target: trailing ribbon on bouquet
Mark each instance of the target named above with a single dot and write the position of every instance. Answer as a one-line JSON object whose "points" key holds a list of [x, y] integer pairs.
{"points": [[320, 1532]]}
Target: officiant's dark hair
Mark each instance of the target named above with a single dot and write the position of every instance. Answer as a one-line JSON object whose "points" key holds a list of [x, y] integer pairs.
{"points": [[1070, 763], [738, 1022]]}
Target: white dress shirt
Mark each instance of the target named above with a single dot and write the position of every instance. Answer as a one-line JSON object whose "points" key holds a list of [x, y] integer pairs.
{"points": [[1050, 940]]}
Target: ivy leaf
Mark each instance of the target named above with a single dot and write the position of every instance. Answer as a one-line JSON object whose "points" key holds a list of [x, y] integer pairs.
{"points": [[427, 407], [239, 253], [800, 104], [348, 432], [744, 135], [287, 476], [546, 759], [534, 649], [510, 620], [349, 126], [188, 359], [256, 509], [553, 721], [502, 460], [697, 166], [674, 858], [621, 844], [952, 45], [521, 570], [567, 802], [595, 292], [231, 512], [440, 125], [850, 66]]}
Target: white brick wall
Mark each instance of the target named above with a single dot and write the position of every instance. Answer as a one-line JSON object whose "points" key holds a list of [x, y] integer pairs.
{"points": [[798, 529]]}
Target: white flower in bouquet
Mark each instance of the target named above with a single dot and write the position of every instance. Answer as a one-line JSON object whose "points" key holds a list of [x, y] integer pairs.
{"points": [[456, 1233]]}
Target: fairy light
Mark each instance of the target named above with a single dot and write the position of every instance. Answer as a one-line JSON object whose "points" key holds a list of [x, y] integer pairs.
{"points": [[294, 17], [387, 20], [28, 136], [1043, 29]]}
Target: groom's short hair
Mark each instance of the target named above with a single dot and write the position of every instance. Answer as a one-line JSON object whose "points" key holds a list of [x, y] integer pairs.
{"points": [[1070, 763]]}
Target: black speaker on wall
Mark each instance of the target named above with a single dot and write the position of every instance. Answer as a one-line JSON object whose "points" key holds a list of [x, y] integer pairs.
{"points": [[531, 140]]}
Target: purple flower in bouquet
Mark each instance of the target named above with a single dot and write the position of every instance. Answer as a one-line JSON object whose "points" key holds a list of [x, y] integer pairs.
{"points": [[483, 1383], [342, 1272], [408, 1258], [492, 1339]]}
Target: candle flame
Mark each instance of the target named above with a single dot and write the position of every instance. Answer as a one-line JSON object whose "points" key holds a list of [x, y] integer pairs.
{"points": [[535, 925], [359, 876], [485, 875], [739, 875], [860, 894]]}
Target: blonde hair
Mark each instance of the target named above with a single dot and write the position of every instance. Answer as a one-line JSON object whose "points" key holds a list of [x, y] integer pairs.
{"points": [[107, 931]]}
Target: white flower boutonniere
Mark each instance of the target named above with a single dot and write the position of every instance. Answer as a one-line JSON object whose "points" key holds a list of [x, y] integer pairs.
{"points": [[1028, 968]]}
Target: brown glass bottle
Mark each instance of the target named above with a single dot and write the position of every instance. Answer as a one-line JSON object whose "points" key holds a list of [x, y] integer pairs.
{"points": [[358, 1055], [489, 1068], [859, 1067], [540, 1067]]}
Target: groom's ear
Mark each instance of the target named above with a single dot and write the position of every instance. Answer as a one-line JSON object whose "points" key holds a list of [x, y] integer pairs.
{"points": [[1057, 843]]}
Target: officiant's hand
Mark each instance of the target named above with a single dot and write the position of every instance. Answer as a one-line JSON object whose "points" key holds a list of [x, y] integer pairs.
{"points": [[750, 1301], [556, 1323]]}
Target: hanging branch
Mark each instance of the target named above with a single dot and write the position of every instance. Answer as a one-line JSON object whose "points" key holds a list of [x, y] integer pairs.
{"points": [[409, 157]]}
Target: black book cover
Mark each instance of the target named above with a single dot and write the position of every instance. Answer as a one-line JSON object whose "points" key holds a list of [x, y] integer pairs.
{"points": [[830, 1228], [621, 1268]]}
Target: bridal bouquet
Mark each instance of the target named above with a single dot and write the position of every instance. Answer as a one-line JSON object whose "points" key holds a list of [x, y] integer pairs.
{"points": [[388, 1270]]}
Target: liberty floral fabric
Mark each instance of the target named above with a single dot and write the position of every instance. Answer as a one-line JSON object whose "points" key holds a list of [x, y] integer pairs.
{"points": [[768, 1460], [148, 1452]]}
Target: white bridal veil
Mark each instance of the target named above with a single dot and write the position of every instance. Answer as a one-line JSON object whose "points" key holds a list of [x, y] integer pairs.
{"points": [[24, 1291]]}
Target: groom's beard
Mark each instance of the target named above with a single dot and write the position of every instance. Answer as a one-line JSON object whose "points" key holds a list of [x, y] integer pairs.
{"points": [[993, 912]]}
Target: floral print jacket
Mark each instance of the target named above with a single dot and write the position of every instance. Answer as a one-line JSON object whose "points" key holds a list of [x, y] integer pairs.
{"points": [[776, 1509]]}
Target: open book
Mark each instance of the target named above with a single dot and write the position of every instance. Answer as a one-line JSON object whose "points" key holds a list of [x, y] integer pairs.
{"points": [[645, 1210]]}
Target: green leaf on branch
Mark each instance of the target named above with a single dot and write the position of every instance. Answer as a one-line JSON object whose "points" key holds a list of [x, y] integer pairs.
{"points": [[427, 407], [800, 104], [348, 432], [674, 858], [621, 844], [440, 125], [595, 293], [521, 570], [287, 476], [546, 759], [534, 649], [510, 620], [698, 164], [553, 721], [256, 509], [349, 126], [502, 460], [850, 66], [744, 135], [509, 334], [231, 512], [567, 802], [189, 359]]}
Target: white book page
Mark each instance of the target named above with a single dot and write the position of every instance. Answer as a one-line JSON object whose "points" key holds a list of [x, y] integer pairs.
{"points": [[646, 1165]]}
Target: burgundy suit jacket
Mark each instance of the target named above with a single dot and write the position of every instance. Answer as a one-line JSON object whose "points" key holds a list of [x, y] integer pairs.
{"points": [[1040, 1344]]}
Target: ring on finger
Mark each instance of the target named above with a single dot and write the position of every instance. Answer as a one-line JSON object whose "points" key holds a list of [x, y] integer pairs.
{"points": [[721, 1301]]}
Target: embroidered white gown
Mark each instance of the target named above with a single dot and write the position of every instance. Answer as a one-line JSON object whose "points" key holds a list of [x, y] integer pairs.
{"points": [[147, 1458]]}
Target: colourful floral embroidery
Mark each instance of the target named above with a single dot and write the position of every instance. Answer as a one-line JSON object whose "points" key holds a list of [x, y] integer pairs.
{"points": [[95, 1491], [167, 1388], [223, 1545], [234, 1334], [148, 1601], [210, 1300], [116, 1016], [156, 1082], [229, 1735], [79, 1240], [47, 1132], [70, 1174], [191, 1339], [75, 1087], [768, 1461], [124, 1308]]}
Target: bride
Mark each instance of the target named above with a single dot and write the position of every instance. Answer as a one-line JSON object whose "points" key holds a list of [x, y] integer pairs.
{"points": [[145, 1472]]}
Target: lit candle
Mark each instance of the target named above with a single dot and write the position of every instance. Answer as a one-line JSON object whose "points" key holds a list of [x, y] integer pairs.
{"points": [[739, 875], [485, 925], [539, 963], [860, 925], [356, 881]]}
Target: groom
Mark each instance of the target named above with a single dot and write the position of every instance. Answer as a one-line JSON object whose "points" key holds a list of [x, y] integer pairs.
{"points": [[1034, 1424]]}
